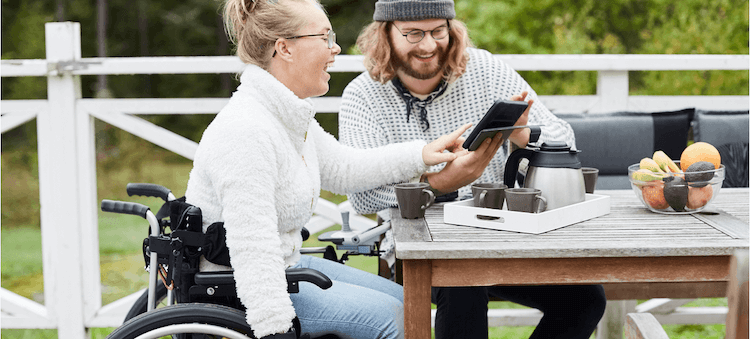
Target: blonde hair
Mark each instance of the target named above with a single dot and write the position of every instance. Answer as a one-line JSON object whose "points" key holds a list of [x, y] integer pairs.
{"points": [[374, 42], [253, 26]]}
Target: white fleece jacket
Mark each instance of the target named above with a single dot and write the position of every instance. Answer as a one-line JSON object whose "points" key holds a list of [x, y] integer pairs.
{"points": [[259, 168]]}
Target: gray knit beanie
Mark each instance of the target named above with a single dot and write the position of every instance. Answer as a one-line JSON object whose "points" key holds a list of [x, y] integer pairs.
{"points": [[413, 10]]}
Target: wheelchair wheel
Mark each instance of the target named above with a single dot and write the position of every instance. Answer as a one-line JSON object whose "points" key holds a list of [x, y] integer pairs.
{"points": [[189, 321], [141, 304]]}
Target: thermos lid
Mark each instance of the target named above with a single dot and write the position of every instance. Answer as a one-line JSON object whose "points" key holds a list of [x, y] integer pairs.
{"points": [[556, 154]]}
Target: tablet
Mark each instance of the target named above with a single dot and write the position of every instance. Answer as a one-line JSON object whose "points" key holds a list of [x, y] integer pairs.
{"points": [[499, 118]]}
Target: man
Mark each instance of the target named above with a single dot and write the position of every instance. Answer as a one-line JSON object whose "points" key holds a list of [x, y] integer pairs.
{"points": [[423, 80]]}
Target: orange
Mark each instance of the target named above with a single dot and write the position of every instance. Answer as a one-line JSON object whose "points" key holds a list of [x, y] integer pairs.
{"points": [[700, 151]]}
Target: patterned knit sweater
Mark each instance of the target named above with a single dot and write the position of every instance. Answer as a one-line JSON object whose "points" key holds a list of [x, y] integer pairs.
{"points": [[374, 114], [259, 168]]}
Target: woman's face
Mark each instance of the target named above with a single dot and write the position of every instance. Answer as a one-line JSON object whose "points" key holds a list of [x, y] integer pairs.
{"points": [[311, 55]]}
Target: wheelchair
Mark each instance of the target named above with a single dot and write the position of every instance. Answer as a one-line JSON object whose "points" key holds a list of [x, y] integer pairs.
{"points": [[198, 304]]}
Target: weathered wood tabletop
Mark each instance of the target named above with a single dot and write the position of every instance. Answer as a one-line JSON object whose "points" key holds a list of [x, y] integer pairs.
{"points": [[635, 253]]}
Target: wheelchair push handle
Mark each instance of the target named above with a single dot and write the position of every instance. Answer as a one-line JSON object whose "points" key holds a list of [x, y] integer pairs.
{"points": [[124, 207], [149, 190]]}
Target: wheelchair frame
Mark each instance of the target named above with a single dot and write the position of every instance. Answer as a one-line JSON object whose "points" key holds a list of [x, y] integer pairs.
{"points": [[173, 257]]}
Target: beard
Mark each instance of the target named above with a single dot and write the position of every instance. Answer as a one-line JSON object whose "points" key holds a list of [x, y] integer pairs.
{"points": [[422, 73]]}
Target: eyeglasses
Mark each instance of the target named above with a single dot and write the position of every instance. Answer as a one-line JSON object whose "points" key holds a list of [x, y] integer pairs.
{"points": [[416, 35], [330, 38]]}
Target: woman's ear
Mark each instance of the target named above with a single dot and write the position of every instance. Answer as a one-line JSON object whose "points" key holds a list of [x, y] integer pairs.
{"points": [[283, 50]]}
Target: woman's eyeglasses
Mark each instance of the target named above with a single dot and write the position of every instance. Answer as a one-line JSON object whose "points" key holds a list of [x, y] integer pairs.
{"points": [[330, 38], [416, 35]]}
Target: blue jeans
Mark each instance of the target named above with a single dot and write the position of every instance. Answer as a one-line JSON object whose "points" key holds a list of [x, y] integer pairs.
{"points": [[359, 305]]}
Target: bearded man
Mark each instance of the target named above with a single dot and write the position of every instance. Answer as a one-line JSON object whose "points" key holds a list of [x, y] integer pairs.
{"points": [[423, 80]]}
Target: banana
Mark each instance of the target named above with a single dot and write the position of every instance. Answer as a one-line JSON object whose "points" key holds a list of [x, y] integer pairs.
{"points": [[651, 165], [666, 164], [647, 175]]}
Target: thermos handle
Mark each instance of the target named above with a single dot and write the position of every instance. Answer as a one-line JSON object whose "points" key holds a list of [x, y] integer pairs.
{"points": [[536, 131], [511, 165]]}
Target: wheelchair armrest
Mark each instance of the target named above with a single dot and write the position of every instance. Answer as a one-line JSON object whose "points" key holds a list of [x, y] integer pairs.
{"points": [[293, 275], [310, 275], [214, 278]]}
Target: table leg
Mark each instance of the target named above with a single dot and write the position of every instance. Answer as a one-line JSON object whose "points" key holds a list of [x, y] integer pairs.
{"points": [[417, 283]]}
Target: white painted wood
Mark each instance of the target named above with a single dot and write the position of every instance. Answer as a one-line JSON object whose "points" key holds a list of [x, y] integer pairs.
{"points": [[20, 312], [23, 68], [113, 314], [625, 62], [694, 315], [88, 209], [59, 181], [613, 321], [660, 305], [332, 212], [353, 63], [317, 224], [148, 131], [10, 121], [498, 317], [612, 88], [155, 106], [643, 326]]}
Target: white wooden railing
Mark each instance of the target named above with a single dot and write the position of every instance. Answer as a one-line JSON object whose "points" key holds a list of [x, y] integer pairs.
{"points": [[67, 175]]}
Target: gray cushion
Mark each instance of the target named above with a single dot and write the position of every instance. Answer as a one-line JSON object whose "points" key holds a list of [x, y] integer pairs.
{"points": [[608, 141], [613, 141], [721, 127]]}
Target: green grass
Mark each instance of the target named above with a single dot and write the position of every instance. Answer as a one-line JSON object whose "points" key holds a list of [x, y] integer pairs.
{"points": [[120, 238]]}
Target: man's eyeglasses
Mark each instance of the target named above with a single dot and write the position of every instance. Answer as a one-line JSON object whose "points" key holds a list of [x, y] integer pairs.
{"points": [[416, 35], [330, 38]]}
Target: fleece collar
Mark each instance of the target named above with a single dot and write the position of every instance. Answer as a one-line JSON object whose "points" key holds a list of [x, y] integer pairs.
{"points": [[295, 114]]}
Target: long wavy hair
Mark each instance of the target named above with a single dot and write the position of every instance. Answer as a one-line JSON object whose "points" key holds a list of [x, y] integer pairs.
{"points": [[374, 42]]}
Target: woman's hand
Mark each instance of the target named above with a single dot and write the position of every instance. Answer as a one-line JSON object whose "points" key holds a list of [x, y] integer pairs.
{"points": [[520, 137], [433, 153]]}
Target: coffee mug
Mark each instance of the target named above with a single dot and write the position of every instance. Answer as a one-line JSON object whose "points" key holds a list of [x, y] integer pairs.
{"points": [[414, 199], [489, 195], [525, 200], [590, 175]]}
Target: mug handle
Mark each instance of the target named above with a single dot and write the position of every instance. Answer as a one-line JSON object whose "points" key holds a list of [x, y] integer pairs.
{"points": [[430, 201], [481, 198], [542, 205]]}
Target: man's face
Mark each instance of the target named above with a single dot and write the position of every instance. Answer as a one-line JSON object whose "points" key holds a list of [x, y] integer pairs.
{"points": [[425, 59]]}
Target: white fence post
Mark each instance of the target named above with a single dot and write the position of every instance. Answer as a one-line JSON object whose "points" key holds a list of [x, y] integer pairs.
{"points": [[65, 181], [612, 87]]}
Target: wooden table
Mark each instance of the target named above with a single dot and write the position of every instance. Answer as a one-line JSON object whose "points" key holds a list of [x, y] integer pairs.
{"points": [[634, 253]]}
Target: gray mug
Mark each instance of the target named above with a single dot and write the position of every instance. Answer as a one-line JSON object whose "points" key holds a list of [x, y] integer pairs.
{"points": [[590, 175], [414, 199], [525, 200], [489, 195]]}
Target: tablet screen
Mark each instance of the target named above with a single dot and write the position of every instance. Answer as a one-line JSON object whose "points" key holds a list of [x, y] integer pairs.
{"points": [[503, 113]]}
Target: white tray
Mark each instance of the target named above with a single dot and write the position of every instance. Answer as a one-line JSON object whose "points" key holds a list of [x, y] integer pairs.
{"points": [[463, 213]]}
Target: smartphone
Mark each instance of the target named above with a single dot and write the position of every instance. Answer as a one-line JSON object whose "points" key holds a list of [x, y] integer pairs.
{"points": [[499, 118]]}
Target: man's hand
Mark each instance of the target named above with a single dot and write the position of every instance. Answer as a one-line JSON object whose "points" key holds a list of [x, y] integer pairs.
{"points": [[433, 153], [467, 167], [520, 137]]}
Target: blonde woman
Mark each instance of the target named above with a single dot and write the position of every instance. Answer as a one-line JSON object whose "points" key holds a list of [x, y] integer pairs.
{"points": [[262, 162]]}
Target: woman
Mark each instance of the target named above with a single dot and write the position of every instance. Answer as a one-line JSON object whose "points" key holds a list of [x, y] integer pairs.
{"points": [[262, 162]]}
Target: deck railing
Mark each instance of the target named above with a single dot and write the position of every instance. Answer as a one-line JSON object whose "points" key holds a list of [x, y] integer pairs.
{"points": [[67, 174]]}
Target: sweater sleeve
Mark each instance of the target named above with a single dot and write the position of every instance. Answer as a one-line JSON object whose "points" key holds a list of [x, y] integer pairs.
{"points": [[241, 167], [345, 169], [359, 129]]}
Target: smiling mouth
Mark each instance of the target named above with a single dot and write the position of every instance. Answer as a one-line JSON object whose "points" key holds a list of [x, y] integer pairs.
{"points": [[425, 57]]}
